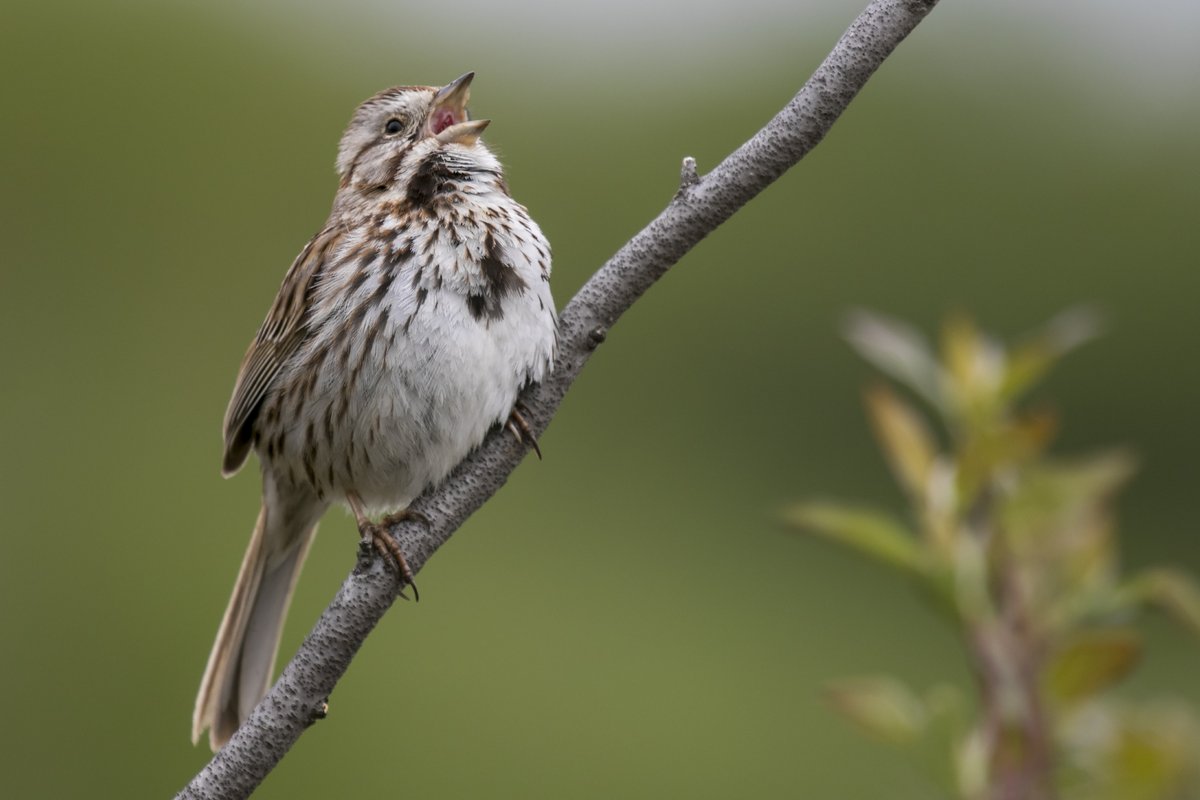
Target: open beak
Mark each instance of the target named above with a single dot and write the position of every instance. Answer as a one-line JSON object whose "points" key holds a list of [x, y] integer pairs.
{"points": [[449, 120]]}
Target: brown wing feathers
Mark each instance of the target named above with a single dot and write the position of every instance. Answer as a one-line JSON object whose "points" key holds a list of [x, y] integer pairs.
{"points": [[281, 334]]}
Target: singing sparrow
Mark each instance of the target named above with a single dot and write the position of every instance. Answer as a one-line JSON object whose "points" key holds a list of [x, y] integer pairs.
{"points": [[401, 334]]}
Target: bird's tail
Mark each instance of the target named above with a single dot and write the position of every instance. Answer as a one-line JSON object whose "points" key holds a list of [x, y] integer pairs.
{"points": [[243, 656]]}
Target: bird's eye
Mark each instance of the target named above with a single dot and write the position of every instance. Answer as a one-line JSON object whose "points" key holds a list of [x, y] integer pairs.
{"points": [[393, 126]]}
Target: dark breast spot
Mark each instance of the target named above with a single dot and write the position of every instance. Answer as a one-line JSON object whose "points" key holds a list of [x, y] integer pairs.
{"points": [[478, 306], [431, 179], [499, 281]]}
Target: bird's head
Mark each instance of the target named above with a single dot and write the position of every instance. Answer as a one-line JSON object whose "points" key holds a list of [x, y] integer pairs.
{"points": [[393, 132]]}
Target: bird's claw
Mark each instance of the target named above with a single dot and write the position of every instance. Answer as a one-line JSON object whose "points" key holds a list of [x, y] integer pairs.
{"points": [[520, 428]]}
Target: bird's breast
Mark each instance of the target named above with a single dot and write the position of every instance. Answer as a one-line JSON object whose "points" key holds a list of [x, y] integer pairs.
{"points": [[425, 330]]}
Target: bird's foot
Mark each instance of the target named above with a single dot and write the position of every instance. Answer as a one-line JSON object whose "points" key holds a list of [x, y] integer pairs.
{"points": [[376, 536], [519, 428]]}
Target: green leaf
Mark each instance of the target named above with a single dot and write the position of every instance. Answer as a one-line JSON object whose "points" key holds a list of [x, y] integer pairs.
{"points": [[870, 533], [970, 358], [971, 764], [881, 706], [1090, 662], [898, 350], [904, 438], [1033, 358], [1054, 499], [1157, 756], [1171, 591], [1117, 751]]}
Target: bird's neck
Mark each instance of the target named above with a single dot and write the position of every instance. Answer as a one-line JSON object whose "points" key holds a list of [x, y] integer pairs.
{"points": [[449, 173]]}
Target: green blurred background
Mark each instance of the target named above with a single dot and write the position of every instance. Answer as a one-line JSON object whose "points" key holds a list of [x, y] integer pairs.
{"points": [[627, 618]]}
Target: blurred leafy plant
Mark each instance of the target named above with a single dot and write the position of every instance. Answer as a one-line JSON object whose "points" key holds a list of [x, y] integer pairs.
{"points": [[1018, 549]]}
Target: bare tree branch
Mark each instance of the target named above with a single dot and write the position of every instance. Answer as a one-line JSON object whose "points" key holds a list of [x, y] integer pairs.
{"points": [[698, 208]]}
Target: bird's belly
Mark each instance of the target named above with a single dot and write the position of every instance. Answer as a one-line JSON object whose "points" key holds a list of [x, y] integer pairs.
{"points": [[432, 393]]}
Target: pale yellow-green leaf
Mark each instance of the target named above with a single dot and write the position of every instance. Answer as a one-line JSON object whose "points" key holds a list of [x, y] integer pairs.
{"points": [[904, 437], [1072, 327], [1117, 751], [971, 764], [898, 350], [1174, 592], [974, 365], [1090, 662], [1056, 502], [1031, 359], [1067, 558], [1026, 365], [1158, 757], [870, 533], [1098, 476], [992, 448], [961, 343], [881, 706], [948, 718]]}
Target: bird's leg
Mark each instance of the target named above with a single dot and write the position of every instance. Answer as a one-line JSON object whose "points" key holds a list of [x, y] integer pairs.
{"points": [[384, 544], [520, 428]]}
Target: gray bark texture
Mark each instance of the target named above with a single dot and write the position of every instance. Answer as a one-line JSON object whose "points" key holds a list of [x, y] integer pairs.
{"points": [[698, 208]]}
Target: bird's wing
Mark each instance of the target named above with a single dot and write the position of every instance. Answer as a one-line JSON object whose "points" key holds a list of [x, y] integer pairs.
{"points": [[281, 334]]}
